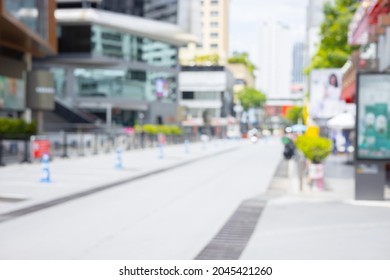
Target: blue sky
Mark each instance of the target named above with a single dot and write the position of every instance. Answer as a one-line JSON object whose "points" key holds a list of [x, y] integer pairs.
{"points": [[245, 14]]}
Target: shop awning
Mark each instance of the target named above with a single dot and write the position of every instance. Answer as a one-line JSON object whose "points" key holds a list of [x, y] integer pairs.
{"points": [[348, 93], [376, 8]]}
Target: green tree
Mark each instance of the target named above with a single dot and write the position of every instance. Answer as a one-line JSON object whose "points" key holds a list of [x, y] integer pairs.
{"points": [[242, 58], [251, 98], [334, 50], [294, 114]]}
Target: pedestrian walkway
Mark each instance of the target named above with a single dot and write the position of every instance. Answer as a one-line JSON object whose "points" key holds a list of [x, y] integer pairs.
{"points": [[21, 189], [313, 224]]}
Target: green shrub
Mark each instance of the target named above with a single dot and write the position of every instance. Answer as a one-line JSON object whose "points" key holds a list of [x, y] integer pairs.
{"points": [[175, 130], [12, 128], [137, 128], [316, 149], [157, 129], [150, 129], [163, 129]]}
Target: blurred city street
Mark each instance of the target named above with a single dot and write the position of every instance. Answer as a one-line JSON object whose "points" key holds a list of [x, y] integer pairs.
{"points": [[175, 214], [195, 130], [171, 215]]}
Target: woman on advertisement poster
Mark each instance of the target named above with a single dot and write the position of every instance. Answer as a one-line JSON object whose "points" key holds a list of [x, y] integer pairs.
{"points": [[331, 97]]}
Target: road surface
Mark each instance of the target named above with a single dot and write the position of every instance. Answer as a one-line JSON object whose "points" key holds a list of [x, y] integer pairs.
{"points": [[172, 215]]}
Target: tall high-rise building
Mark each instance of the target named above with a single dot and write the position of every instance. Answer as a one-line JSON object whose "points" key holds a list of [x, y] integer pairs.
{"points": [[298, 63], [275, 57], [314, 19], [214, 35]]}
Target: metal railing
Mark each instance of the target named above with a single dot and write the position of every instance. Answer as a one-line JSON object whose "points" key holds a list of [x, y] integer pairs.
{"points": [[73, 144]]}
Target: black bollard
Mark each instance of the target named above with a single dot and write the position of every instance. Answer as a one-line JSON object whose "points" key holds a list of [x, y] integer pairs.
{"points": [[64, 145], [1, 153], [26, 152]]}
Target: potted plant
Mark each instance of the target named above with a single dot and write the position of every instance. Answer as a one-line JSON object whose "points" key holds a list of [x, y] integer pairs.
{"points": [[316, 150]]}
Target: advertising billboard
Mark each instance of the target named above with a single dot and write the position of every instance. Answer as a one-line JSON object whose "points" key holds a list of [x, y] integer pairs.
{"points": [[325, 93], [372, 118], [12, 93], [40, 90], [162, 88]]}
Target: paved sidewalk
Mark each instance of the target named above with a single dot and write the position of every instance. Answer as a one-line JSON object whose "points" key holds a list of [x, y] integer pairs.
{"points": [[20, 185], [316, 224]]}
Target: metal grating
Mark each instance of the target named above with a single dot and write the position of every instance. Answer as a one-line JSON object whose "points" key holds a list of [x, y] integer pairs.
{"points": [[232, 239]]}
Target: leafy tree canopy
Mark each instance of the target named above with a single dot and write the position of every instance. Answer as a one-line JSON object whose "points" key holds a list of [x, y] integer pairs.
{"points": [[333, 50], [209, 59], [294, 114], [251, 98], [242, 58]]}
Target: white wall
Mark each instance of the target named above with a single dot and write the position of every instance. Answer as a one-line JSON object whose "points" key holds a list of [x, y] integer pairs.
{"points": [[202, 81], [206, 82]]}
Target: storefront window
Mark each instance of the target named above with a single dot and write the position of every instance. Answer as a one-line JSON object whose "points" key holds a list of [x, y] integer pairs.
{"points": [[59, 75], [130, 84], [207, 95]]}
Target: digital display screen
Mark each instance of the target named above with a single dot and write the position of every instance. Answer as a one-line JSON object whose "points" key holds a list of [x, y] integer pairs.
{"points": [[373, 114]]}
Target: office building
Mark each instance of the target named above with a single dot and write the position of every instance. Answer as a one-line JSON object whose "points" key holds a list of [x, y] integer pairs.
{"points": [[118, 60], [207, 94], [298, 63], [275, 59], [214, 33]]}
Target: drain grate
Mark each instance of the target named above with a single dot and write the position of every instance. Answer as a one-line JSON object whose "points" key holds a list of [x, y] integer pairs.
{"points": [[231, 240]]}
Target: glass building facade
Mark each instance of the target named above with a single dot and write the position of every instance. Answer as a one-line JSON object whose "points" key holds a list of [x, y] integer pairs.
{"points": [[107, 42], [161, 10], [141, 75], [26, 31], [125, 84], [165, 11], [32, 13], [103, 65]]}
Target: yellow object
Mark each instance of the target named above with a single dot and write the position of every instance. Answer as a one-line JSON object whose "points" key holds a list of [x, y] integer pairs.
{"points": [[313, 131], [305, 113]]}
